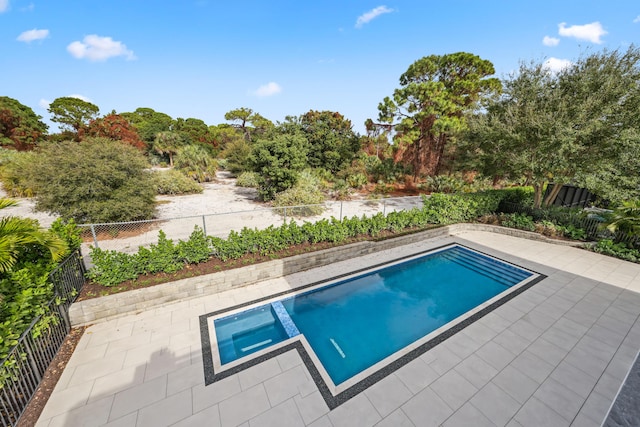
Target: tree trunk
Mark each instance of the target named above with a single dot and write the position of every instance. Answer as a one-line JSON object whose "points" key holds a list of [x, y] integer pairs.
{"points": [[551, 197], [537, 194]]}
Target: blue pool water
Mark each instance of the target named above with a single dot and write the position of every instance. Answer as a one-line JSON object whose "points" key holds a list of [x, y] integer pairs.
{"points": [[353, 324]]}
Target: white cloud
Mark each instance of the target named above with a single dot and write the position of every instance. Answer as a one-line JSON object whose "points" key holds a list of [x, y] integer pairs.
{"points": [[4, 5], [96, 48], [82, 97], [31, 35], [44, 104], [590, 32], [635, 21], [371, 15], [271, 88], [550, 41], [554, 64]]}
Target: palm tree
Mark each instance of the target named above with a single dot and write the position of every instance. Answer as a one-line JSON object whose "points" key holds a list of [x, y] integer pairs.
{"points": [[626, 218], [168, 142], [18, 233]]}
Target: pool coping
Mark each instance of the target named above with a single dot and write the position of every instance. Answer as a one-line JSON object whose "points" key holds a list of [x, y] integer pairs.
{"points": [[351, 391]]}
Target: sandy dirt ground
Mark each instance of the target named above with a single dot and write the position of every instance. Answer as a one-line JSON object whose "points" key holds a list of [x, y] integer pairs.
{"points": [[220, 208]]}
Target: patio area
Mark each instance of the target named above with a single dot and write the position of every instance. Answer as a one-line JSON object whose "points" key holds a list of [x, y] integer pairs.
{"points": [[554, 355]]}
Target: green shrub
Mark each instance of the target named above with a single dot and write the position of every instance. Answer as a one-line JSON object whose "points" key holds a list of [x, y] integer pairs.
{"points": [[247, 179], [357, 181], [172, 182], [305, 192], [96, 180], [196, 162], [618, 250], [15, 167], [112, 267], [443, 184], [520, 221]]}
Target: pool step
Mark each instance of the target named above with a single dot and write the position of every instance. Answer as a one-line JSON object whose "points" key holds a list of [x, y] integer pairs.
{"points": [[502, 273]]}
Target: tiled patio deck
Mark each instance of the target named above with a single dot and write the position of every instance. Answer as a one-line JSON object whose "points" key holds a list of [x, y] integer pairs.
{"points": [[555, 355]]}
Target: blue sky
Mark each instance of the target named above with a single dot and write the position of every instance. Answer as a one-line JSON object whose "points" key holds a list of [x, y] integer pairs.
{"points": [[202, 58]]}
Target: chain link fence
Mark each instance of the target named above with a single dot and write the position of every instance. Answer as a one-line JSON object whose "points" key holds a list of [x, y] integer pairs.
{"points": [[129, 236]]}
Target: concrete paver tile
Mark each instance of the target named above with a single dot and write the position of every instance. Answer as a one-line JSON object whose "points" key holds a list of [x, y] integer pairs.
{"points": [[289, 360], [495, 404], [206, 396], [91, 371], [259, 373], [284, 415], [559, 398], [209, 417], [596, 407], [512, 341], [468, 415], [462, 345], [321, 422], [427, 409], [87, 355], [90, 415], [126, 421], [532, 366], [311, 407], [515, 383], [547, 351], [442, 358], [574, 379], [285, 385], [495, 355], [356, 412], [454, 389], [137, 397], [184, 378], [396, 419], [167, 411], [237, 409], [163, 361], [583, 421], [388, 394], [535, 413], [476, 371], [65, 400], [416, 375], [117, 381]]}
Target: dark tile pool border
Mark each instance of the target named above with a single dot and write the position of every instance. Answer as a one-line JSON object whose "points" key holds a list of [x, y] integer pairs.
{"points": [[332, 401]]}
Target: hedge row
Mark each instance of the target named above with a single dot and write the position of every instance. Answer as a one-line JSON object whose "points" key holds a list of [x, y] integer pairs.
{"points": [[112, 267]]}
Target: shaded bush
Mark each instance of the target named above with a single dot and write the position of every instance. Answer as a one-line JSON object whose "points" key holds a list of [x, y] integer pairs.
{"points": [[305, 192], [172, 182], [196, 162], [14, 168], [247, 179], [96, 180]]}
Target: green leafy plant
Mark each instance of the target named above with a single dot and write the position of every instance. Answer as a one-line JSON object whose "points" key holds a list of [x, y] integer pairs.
{"points": [[247, 179], [618, 250], [173, 182], [520, 221]]}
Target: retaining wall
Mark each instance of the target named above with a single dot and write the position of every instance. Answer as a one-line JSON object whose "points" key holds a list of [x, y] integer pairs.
{"points": [[130, 302]]}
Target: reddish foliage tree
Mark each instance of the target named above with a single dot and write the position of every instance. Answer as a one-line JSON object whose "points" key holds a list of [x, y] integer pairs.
{"points": [[113, 126]]}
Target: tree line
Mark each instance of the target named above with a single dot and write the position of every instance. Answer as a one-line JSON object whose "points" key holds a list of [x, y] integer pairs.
{"points": [[450, 123]]}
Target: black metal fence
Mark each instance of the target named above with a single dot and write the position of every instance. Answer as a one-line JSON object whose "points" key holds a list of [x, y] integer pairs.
{"points": [[24, 367], [591, 224]]}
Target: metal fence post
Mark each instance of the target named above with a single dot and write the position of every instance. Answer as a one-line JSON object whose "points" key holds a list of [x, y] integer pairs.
{"points": [[285, 215], [340, 210], [95, 237], [384, 207], [204, 225]]}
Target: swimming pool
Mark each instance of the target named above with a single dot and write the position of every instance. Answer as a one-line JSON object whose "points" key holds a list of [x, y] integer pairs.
{"points": [[351, 326]]}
